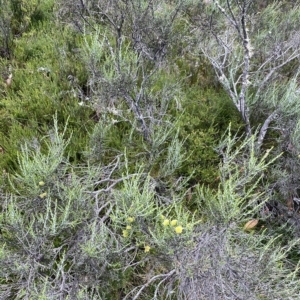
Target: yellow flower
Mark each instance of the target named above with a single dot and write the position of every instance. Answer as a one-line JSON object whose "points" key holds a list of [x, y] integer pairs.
{"points": [[128, 227], [41, 183], [125, 233], [166, 222], [162, 217], [147, 248], [130, 219], [178, 229], [43, 195], [173, 222]]}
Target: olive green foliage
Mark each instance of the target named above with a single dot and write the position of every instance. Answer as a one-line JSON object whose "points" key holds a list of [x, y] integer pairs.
{"points": [[204, 118], [226, 252], [125, 82], [255, 59], [83, 224], [117, 236], [240, 178], [17, 16], [5, 26], [23, 11], [119, 176], [47, 79]]}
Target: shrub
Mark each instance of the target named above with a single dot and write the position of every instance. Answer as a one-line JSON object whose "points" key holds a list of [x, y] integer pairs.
{"points": [[40, 88], [86, 232], [81, 228], [202, 121]]}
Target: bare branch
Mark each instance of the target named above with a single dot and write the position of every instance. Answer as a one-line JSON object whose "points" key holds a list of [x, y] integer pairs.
{"points": [[154, 278], [265, 127]]}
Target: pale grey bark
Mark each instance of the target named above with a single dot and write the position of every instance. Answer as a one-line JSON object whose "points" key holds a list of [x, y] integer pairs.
{"points": [[232, 47]]}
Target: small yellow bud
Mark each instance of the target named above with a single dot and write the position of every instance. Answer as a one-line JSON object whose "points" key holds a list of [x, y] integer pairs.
{"points": [[43, 195], [166, 222], [41, 183], [178, 229], [162, 217], [130, 220], [147, 248], [125, 233], [173, 222], [128, 227]]}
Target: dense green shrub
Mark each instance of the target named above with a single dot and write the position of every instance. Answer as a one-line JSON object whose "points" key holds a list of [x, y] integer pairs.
{"points": [[41, 87], [87, 232], [82, 223], [138, 191], [5, 29], [26, 13], [203, 119]]}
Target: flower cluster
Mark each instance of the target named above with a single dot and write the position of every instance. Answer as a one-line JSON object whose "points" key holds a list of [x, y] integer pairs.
{"points": [[173, 223], [44, 194], [128, 227], [126, 232]]}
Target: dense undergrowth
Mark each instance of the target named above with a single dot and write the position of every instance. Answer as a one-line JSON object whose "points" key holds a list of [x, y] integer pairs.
{"points": [[127, 168]]}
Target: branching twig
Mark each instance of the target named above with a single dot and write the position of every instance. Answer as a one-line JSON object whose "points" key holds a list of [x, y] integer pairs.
{"points": [[154, 278]]}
